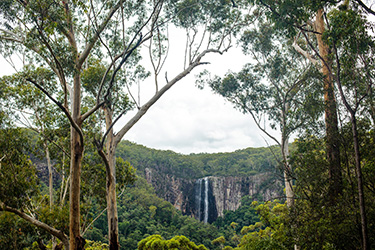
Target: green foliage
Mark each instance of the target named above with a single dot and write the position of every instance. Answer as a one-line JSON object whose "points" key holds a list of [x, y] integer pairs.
{"points": [[271, 232], [288, 15], [156, 242], [15, 233], [126, 174], [192, 13], [220, 241], [234, 221], [18, 180], [239, 163], [315, 222], [93, 245], [142, 213]]}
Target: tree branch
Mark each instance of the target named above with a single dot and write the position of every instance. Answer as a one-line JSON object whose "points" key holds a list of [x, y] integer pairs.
{"points": [[124, 59], [143, 109], [97, 33], [303, 52], [367, 9], [125, 55], [66, 112], [53, 231]]}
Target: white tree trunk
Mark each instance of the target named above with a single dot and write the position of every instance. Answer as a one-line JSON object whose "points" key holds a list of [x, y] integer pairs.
{"points": [[111, 185]]}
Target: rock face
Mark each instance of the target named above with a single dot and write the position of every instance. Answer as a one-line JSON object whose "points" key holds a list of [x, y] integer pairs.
{"points": [[178, 191], [228, 191], [208, 197]]}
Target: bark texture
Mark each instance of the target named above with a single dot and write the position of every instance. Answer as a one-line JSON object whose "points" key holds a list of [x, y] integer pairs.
{"points": [[332, 132], [111, 185], [75, 170]]}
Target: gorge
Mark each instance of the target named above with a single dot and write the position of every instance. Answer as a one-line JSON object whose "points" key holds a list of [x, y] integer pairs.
{"points": [[207, 198], [203, 186]]}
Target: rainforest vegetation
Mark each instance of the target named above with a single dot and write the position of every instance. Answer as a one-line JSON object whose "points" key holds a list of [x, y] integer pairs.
{"points": [[309, 76]]}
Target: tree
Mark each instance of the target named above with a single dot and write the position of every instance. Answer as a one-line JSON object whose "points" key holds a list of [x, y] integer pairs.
{"points": [[277, 86], [65, 36], [353, 48], [177, 242], [270, 232], [30, 108], [18, 179], [296, 19], [32, 103], [329, 50], [205, 20], [220, 241]]}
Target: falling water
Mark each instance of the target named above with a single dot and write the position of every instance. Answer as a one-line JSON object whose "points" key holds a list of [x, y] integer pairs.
{"points": [[198, 195], [201, 199], [205, 220]]}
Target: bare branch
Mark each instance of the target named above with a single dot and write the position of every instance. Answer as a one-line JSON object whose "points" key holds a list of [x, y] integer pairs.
{"points": [[258, 124], [97, 217], [142, 111], [128, 50], [367, 9], [97, 33], [303, 52]]}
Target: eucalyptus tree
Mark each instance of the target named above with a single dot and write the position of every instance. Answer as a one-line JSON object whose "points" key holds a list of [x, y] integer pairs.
{"points": [[19, 180], [336, 36], [68, 37], [208, 27], [277, 86], [353, 51], [305, 22], [28, 107], [31, 109], [61, 36]]}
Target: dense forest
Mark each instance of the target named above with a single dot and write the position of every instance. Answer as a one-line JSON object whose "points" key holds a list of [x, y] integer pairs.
{"points": [[309, 76], [243, 162]]}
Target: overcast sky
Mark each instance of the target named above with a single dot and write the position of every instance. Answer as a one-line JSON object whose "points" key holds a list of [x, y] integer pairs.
{"points": [[189, 120]]}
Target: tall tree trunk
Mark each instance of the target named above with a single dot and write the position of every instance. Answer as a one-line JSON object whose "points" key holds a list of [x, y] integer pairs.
{"points": [[50, 186], [285, 153], [361, 195], [332, 133], [287, 174], [50, 175], [76, 241], [111, 185]]}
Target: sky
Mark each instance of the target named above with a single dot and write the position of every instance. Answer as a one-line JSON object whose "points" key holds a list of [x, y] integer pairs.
{"points": [[190, 120]]}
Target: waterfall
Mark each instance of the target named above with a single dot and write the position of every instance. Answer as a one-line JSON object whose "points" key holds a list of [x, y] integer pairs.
{"points": [[202, 199], [205, 218]]}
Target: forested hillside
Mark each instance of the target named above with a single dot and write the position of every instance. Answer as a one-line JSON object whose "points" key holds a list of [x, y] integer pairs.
{"points": [[242, 163], [141, 212]]}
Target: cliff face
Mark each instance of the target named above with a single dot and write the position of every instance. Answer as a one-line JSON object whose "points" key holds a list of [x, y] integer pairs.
{"points": [[212, 195], [228, 191], [178, 191]]}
